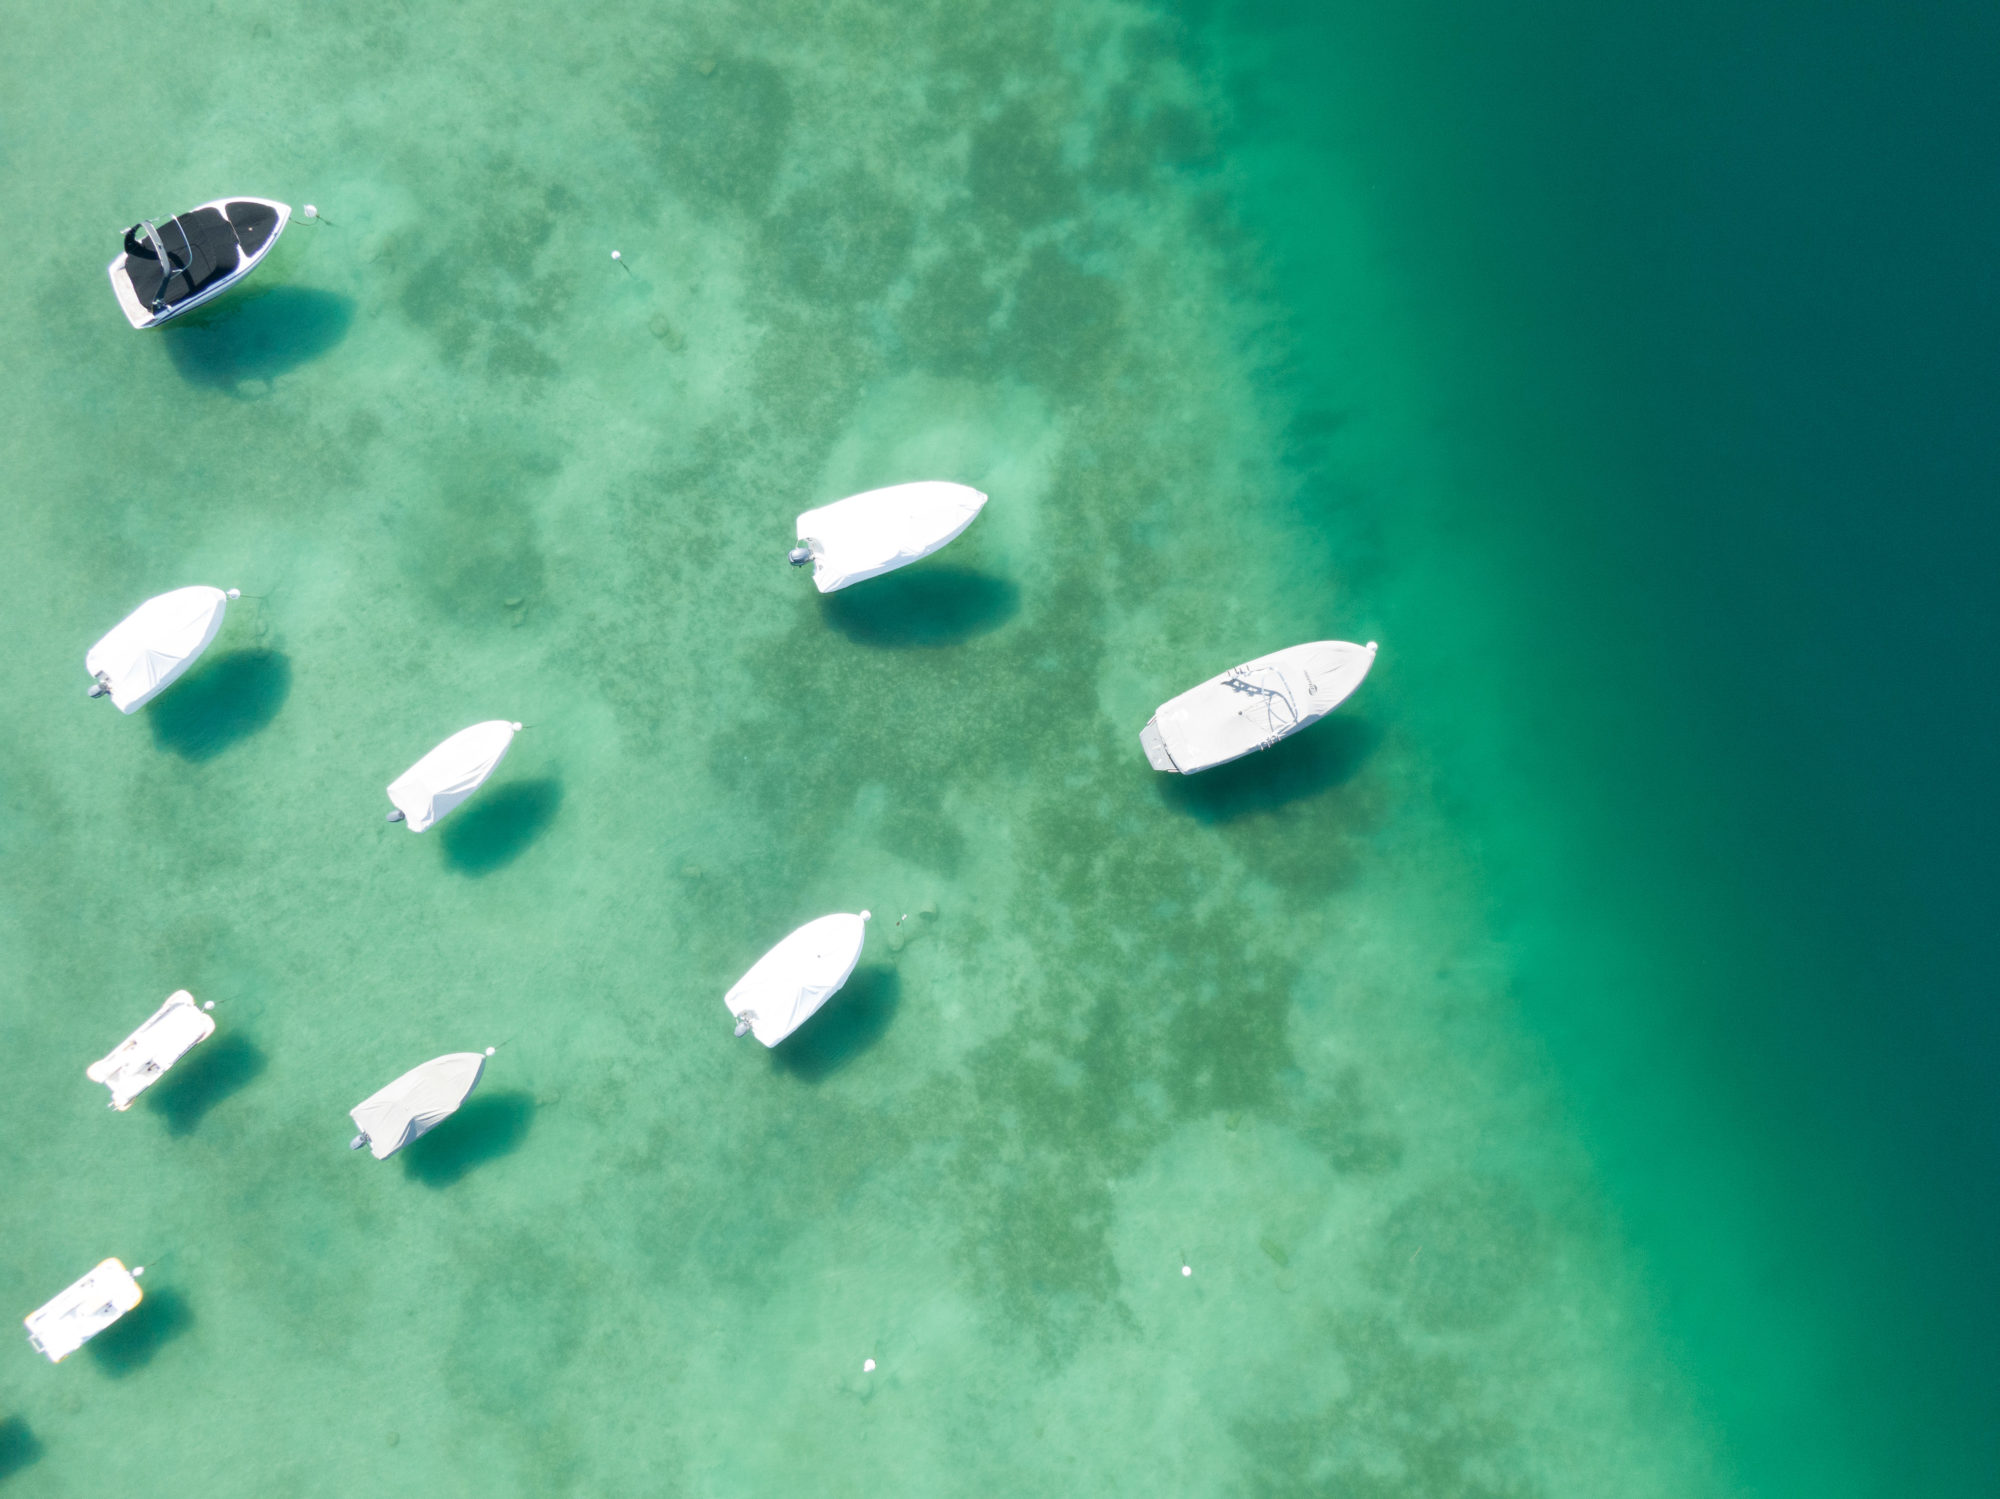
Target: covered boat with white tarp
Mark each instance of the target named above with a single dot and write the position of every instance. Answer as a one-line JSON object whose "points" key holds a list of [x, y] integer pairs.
{"points": [[450, 773], [193, 257], [1252, 706], [868, 534], [143, 1059], [791, 981], [415, 1103], [84, 1310], [147, 651]]}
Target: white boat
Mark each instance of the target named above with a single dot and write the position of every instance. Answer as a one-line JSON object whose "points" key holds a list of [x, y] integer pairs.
{"points": [[789, 983], [175, 1029], [415, 1103], [193, 257], [1252, 706], [84, 1310], [866, 535], [142, 655], [450, 773]]}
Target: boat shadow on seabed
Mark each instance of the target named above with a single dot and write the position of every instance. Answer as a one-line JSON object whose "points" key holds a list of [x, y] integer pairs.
{"points": [[485, 1129], [852, 1022], [924, 606], [1326, 755], [257, 335], [130, 1344], [497, 829], [215, 1071], [19, 1447], [223, 700]]}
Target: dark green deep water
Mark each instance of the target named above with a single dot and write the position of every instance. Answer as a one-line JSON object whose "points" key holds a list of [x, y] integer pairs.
{"points": [[1566, 1072], [1701, 300]]}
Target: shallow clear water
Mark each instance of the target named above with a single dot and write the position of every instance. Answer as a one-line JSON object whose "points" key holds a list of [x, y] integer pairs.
{"points": [[1304, 1025]]}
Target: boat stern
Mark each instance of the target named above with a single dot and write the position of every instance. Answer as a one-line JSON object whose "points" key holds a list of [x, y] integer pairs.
{"points": [[136, 312], [1156, 747]]}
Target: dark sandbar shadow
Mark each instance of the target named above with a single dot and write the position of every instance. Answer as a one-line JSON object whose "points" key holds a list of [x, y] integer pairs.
{"points": [[848, 1025], [257, 336], [490, 1126], [498, 826], [129, 1344], [216, 1069], [919, 607], [1314, 760], [223, 700]]}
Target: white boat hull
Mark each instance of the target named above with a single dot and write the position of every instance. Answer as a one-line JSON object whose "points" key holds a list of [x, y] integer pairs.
{"points": [[786, 987], [450, 773], [149, 650], [416, 1103], [142, 1059], [82, 1311], [1253, 706], [868, 534]]}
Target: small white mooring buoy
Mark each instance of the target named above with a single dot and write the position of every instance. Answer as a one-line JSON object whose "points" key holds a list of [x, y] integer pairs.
{"points": [[1186, 1268], [235, 593], [312, 212], [490, 1050], [868, 1366], [209, 1005], [616, 256]]}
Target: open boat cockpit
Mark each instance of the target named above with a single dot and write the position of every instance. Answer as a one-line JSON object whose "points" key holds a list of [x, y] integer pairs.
{"points": [[193, 257]]}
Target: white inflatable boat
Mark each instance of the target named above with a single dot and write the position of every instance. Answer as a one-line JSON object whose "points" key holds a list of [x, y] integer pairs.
{"points": [[174, 1030], [84, 1310]]}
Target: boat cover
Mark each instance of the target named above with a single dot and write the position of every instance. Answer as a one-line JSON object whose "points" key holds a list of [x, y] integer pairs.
{"points": [[150, 647], [176, 1028], [417, 1102], [866, 535], [451, 772], [206, 249], [785, 986], [83, 1311], [1253, 706]]}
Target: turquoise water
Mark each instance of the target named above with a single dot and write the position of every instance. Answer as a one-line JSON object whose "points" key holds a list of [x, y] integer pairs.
{"points": [[1489, 1055]]}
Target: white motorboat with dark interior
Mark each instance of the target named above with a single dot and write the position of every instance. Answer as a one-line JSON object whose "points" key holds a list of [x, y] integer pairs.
{"points": [[1252, 706], [193, 257], [785, 987]]}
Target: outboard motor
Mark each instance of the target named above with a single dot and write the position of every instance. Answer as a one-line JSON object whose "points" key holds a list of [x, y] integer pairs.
{"points": [[743, 1023], [100, 684], [799, 556], [396, 814], [357, 1142]]}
